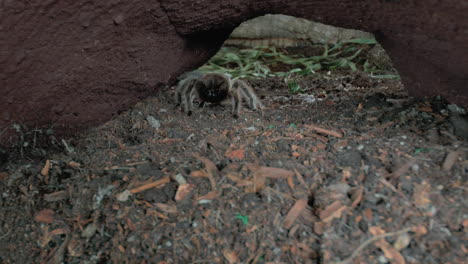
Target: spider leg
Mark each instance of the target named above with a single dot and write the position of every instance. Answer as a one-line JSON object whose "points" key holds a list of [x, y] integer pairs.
{"points": [[178, 95], [236, 100], [189, 96], [249, 95]]}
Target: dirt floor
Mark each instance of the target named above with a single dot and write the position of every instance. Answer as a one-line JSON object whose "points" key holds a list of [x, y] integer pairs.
{"points": [[351, 171]]}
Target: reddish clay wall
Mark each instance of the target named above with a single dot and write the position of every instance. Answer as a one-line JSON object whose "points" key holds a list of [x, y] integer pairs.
{"points": [[72, 64]]}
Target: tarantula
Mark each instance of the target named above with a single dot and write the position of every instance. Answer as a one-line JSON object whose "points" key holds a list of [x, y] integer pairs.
{"points": [[214, 88]]}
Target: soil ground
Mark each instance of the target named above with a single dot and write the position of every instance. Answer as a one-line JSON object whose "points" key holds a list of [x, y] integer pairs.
{"points": [[350, 171]]}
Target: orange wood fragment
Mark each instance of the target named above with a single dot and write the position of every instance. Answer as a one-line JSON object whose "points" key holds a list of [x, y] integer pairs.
{"points": [[294, 213], [236, 154], [151, 185]]}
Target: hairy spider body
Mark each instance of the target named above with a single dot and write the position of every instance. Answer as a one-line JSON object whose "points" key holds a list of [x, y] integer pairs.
{"points": [[214, 88]]}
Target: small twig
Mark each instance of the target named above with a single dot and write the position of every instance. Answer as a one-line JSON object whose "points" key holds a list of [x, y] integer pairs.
{"points": [[151, 185], [67, 148], [284, 195], [370, 241], [395, 190], [214, 151], [210, 167], [325, 131], [6, 234]]}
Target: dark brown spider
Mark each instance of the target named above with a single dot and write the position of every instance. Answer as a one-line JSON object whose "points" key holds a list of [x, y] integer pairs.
{"points": [[215, 88]]}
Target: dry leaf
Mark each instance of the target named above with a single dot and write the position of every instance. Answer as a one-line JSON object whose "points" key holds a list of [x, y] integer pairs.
{"points": [[294, 213], [46, 216]]}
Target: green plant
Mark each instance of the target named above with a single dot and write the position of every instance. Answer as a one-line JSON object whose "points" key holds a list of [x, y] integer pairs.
{"points": [[294, 87], [262, 62]]}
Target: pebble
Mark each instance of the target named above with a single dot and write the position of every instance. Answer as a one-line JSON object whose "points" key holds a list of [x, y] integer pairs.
{"points": [[153, 122]]}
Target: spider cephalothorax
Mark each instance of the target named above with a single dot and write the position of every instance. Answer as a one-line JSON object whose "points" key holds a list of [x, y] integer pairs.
{"points": [[214, 88]]}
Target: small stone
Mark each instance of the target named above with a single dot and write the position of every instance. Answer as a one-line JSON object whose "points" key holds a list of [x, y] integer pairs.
{"points": [[415, 167], [382, 260], [456, 109], [118, 19], [153, 122], [123, 196]]}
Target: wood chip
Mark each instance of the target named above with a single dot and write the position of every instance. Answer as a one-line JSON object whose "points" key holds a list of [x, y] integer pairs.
{"points": [[450, 160], [270, 172], [294, 213], [199, 174], [156, 184], [389, 251], [183, 191], [74, 165], [4, 176], [209, 196], [291, 182], [420, 230], [236, 154], [356, 195], [324, 131], [55, 196], [332, 211], [231, 256], [166, 208], [45, 216], [258, 183], [421, 194], [45, 170]]}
